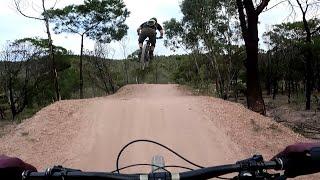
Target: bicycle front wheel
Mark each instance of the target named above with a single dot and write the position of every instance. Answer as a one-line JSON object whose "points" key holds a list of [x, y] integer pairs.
{"points": [[144, 56]]}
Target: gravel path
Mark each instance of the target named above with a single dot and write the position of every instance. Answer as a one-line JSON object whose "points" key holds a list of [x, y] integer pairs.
{"points": [[89, 133]]}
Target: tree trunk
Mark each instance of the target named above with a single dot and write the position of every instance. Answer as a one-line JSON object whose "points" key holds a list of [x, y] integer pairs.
{"points": [[1, 113], [289, 91], [217, 86], [308, 57], [93, 91], [237, 90], [309, 75], [275, 89], [106, 89], [104, 80], [80, 67], [317, 77], [20, 107], [51, 55], [11, 99], [254, 93], [269, 77], [112, 84], [268, 80], [297, 88], [156, 73], [126, 71], [308, 60], [194, 57], [249, 27], [101, 68]]}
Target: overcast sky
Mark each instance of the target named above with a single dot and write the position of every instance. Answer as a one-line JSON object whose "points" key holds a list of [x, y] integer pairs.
{"points": [[14, 26]]}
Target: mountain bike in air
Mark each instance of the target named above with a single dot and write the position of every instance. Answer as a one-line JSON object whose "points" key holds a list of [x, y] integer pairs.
{"points": [[145, 54]]}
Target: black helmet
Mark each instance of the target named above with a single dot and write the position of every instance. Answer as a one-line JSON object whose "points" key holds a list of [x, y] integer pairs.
{"points": [[155, 19]]}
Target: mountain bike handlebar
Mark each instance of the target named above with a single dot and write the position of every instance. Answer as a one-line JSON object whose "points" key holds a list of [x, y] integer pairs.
{"points": [[295, 160], [255, 165], [252, 165]]}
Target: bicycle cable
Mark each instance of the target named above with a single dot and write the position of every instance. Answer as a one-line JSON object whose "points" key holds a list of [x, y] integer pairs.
{"points": [[152, 142], [142, 164], [161, 145]]}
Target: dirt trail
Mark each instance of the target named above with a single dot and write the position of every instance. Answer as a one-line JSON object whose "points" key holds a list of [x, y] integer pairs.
{"points": [[88, 134]]}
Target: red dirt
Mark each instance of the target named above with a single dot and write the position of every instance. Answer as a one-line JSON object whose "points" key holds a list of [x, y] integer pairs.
{"points": [[88, 134]]}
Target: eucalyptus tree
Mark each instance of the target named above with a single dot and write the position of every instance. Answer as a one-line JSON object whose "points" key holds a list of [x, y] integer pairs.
{"points": [[309, 11], [249, 11], [201, 21], [16, 71], [99, 20], [196, 31], [208, 27], [290, 38], [179, 37]]}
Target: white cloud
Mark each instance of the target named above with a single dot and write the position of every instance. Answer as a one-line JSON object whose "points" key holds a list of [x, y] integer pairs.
{"points": [[142, 10], [15, 26]]}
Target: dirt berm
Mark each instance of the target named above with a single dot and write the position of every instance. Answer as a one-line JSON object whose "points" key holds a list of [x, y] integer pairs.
{"points": [[88, 134]]}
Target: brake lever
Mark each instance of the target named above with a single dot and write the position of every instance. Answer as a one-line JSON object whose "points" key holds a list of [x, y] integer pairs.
{"points": [[253, 168]]}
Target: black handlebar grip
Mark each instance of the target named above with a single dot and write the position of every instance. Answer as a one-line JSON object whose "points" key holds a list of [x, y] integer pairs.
{"points": [[315, 154], [302, 164]]}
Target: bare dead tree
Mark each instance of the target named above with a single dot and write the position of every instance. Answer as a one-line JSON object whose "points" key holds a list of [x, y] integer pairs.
{"points": [[97, 75], [98, 59], [44, 16]]}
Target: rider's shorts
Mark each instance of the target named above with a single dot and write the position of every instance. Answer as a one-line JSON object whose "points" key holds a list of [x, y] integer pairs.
{"points": [[150, 33]]}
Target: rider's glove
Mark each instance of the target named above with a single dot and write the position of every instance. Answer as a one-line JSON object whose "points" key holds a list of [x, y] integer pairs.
{"points": [[12, 168], [300, 159]]}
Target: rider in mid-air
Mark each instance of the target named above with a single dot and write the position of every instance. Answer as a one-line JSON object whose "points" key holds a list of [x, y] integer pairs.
{"points": [[149, 29]]}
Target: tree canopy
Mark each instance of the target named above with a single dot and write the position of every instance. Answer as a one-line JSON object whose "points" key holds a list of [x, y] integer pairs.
{"points": [[102, 20]]}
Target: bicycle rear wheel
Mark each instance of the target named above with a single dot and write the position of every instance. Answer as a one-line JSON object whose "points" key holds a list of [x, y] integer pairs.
{"points": [[144, 56]]}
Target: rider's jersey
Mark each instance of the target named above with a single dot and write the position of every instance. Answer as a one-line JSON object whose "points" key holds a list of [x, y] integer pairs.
{"points": [[155, 27]]}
